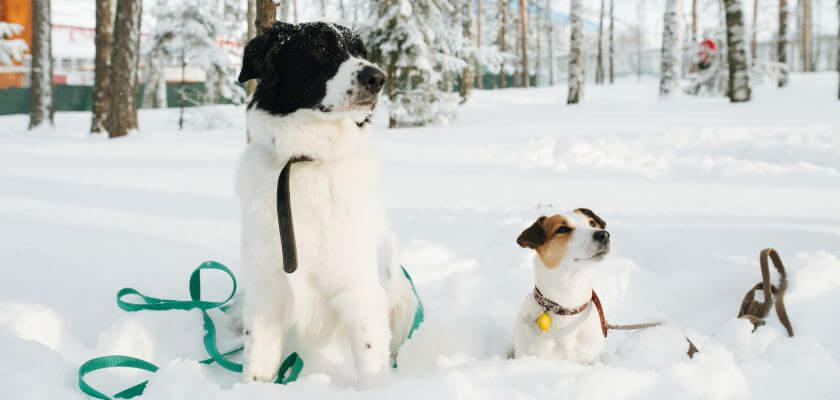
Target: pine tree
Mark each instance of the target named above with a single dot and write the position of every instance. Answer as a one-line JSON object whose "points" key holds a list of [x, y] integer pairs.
{"points": [[122, 114], [101, 81], [11, 50], [420, 51], [188, 31], [781, 46], [670, 40], [266, 13], [523, 41], [805, 36], [739, 84], [576, 53], [41, 102]]}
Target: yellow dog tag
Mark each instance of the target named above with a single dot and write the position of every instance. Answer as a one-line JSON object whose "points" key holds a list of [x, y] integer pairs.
{"points": [[544, 321]]}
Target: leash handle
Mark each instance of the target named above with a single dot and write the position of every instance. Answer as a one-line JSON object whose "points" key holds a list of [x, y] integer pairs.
{"points": [[755, 311]]}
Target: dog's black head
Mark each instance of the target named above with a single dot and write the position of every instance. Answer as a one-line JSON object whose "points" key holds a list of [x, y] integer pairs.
{"points": [[317, 65]]}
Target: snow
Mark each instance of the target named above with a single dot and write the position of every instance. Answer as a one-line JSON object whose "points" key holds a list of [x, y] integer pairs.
{"points": [[692, 189]]}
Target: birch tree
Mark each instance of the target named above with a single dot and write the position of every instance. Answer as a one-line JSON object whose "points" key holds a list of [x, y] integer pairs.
{"points": [[670, 39], [102, 38], [781, 45], [612, 41], [41, 101], [739, 84], [576, 53], [122, 114], [599, 67], [502, 19], [478, 16]]}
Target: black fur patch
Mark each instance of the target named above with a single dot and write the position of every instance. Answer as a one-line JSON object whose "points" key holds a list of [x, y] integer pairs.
{"points": [[294, 63]]}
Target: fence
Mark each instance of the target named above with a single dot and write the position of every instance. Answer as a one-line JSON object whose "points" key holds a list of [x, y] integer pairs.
{"points": [[80, 98]]}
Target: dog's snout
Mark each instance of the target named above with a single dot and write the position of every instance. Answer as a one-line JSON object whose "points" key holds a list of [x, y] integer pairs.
{"points": [[601, 236], [372, 78]]}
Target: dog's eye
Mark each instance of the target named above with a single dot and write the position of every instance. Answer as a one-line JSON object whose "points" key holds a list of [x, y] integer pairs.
{"points": [[322, 50], [563, 230], [592, 223]]}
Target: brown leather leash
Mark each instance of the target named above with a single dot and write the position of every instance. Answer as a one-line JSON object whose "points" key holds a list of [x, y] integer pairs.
{"points": [[284, 216], [756, 311]]}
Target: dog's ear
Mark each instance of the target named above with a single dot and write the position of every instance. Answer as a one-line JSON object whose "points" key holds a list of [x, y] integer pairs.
{"points": [[534, 236], [594, 218], [254, 56]]}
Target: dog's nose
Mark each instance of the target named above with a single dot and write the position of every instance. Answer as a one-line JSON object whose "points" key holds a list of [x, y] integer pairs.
{"points": [[372, 78], [601, 236]]}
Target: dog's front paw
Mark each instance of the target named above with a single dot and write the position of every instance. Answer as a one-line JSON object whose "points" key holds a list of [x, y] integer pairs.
{"points": [[259, 373]]}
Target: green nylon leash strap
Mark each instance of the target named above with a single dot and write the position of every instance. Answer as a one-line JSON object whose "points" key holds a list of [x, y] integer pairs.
{"points": [[418, 314], [288, 372], [114, 362]]}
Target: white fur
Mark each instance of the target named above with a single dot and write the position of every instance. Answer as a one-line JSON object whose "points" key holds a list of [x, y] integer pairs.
{"points": [[571, 337], [348, 291]]}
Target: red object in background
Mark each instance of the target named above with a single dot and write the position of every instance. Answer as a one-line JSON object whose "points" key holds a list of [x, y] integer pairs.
{"points": [[707, 50]]}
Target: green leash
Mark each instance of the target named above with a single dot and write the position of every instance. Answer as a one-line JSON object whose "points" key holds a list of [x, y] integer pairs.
{"points": [[288, 372]]}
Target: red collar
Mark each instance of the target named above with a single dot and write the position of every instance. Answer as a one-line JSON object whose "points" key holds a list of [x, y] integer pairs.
{"points": [[549, 305]]}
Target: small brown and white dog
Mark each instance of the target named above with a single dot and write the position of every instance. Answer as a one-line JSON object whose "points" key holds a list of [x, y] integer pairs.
{"points": [[562, 317]]}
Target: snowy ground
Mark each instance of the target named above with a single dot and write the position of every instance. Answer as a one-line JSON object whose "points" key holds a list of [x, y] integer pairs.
{"points": [[692, 189]]}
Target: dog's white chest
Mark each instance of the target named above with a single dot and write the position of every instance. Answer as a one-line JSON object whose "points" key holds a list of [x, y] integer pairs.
{"points": [[571, 337]]}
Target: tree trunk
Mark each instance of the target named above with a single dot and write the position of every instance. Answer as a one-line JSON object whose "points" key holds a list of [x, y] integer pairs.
{"points": [[155, 81], [694, 21], [640, 36], [668, 71], [523, 34], [251, 85], [266, 14], [599, 67], [612, 41], [838, 46], [805, 44], [181, 93], [550, 44], [575, 53], [41, 101], [122, 115], [501, 40], [754, 41], [781, 46], [478, 74], [102, 39], [540, 29], [739, 83], [323, 8], [467, 77]]}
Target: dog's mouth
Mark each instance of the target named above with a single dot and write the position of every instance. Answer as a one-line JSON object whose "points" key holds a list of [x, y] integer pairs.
{"points": [[598, 256]]}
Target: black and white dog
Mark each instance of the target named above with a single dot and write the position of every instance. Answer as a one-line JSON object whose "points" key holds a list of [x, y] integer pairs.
{"points": [[315, 97]]}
